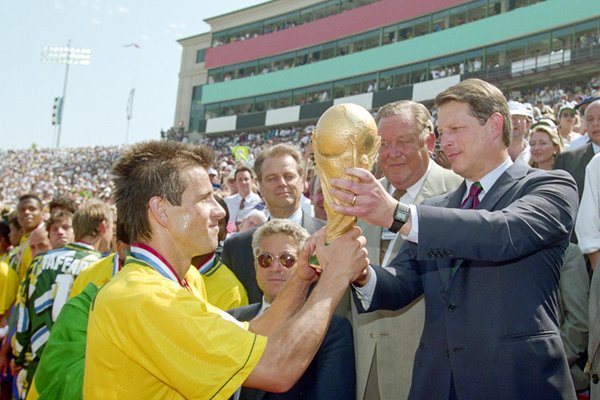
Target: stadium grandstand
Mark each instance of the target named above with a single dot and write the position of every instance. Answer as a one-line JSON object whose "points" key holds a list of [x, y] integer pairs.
{"points": [[263, 75], [284, 62]]}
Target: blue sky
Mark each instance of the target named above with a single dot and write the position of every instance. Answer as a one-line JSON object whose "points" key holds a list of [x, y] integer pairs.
{"points": [[97, 94]]}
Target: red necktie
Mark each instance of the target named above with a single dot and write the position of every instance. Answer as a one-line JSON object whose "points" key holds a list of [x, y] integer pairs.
{"points": [[472, 200]]}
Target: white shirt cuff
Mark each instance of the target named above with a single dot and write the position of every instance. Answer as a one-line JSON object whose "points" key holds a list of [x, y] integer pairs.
{"points": [[413, 235], [365, 293]]}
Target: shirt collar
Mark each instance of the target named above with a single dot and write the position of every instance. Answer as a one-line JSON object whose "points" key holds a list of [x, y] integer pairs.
{"points": [[297, 216], [206, 265], [156, 261], [264, 306], [490, 178], [415, 188]]}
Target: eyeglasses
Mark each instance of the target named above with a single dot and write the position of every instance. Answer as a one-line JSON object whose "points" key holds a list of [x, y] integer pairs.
{"points": [[286, 260], [567, 115]]}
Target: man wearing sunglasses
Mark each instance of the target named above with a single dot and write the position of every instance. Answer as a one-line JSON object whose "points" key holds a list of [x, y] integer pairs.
{"points": [[331, 374], [279, 175]]}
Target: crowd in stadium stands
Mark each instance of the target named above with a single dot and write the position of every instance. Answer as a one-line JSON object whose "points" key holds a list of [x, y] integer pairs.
{"points": [[80, 173], [84, 172], [292, 21], [57, 199]]}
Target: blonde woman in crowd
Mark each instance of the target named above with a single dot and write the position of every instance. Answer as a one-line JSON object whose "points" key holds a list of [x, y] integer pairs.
{"points": [[545, 144]]}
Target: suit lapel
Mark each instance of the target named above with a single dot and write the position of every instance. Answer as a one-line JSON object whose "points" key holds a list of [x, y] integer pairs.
{"points": [[585, 158], [502, 186], [430, 185]]}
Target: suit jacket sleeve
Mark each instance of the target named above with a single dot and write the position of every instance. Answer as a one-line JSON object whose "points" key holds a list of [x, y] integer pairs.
{"points": [[334, 363], [245, 313], [559, 162], [574, 291], [540, 213], [398, 284], [237, 255], [226, 255]]}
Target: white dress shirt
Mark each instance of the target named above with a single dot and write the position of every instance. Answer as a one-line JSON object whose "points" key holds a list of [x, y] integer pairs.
{"points": [[587, 226]]}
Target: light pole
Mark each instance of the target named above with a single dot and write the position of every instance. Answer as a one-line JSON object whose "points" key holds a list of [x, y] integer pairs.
{"points": [[65, 55]]}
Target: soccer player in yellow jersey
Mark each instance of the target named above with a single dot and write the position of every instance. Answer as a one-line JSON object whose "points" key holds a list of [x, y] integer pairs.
{"points": [[61, 368], [151, 336], [8, 279], [223, 288], [30, 217], [103, 270]]}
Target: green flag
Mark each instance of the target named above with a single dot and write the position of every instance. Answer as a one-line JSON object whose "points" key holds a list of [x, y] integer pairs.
{"points": [[240, 153]]}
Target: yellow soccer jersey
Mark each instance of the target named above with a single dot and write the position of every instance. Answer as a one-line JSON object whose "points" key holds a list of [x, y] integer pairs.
{"points": [[151, 338], [103, 270], [9, 283], [23, 257], [97, 273], [196, 282], [223, 288]]}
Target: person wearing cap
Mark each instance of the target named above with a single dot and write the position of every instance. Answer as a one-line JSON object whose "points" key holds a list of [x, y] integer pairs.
{"points": [[213, 175], [521, 118], [566, 120]]}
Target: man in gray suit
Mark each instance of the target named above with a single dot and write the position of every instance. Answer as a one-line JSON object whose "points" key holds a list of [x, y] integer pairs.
{"points": [[487, 257], [385, 342], [279, 174]]}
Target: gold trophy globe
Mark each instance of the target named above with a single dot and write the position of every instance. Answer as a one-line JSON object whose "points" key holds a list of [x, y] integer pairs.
{"points": [[345, 136]]}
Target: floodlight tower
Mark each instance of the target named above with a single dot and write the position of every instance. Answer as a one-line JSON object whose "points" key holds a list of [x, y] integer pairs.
{"points": [[64, 55]]}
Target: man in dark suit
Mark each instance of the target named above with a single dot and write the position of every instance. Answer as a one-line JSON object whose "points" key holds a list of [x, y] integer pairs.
{"points": [[330, 375], [575, 160], [487, 257], [385, 342], [279, 173]]}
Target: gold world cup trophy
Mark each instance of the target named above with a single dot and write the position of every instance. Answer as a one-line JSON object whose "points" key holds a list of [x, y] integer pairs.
{"points": [[345, 137]]}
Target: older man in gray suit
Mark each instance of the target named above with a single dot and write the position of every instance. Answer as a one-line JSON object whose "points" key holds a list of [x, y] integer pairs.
{"points": [[385, 342]]}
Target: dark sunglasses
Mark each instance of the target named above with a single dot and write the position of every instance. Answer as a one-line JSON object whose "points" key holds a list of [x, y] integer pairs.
{"points": [[286, 260]]}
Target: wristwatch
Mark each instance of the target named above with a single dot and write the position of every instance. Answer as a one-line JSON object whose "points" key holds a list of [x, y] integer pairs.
{"points": [[401, 215]]}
